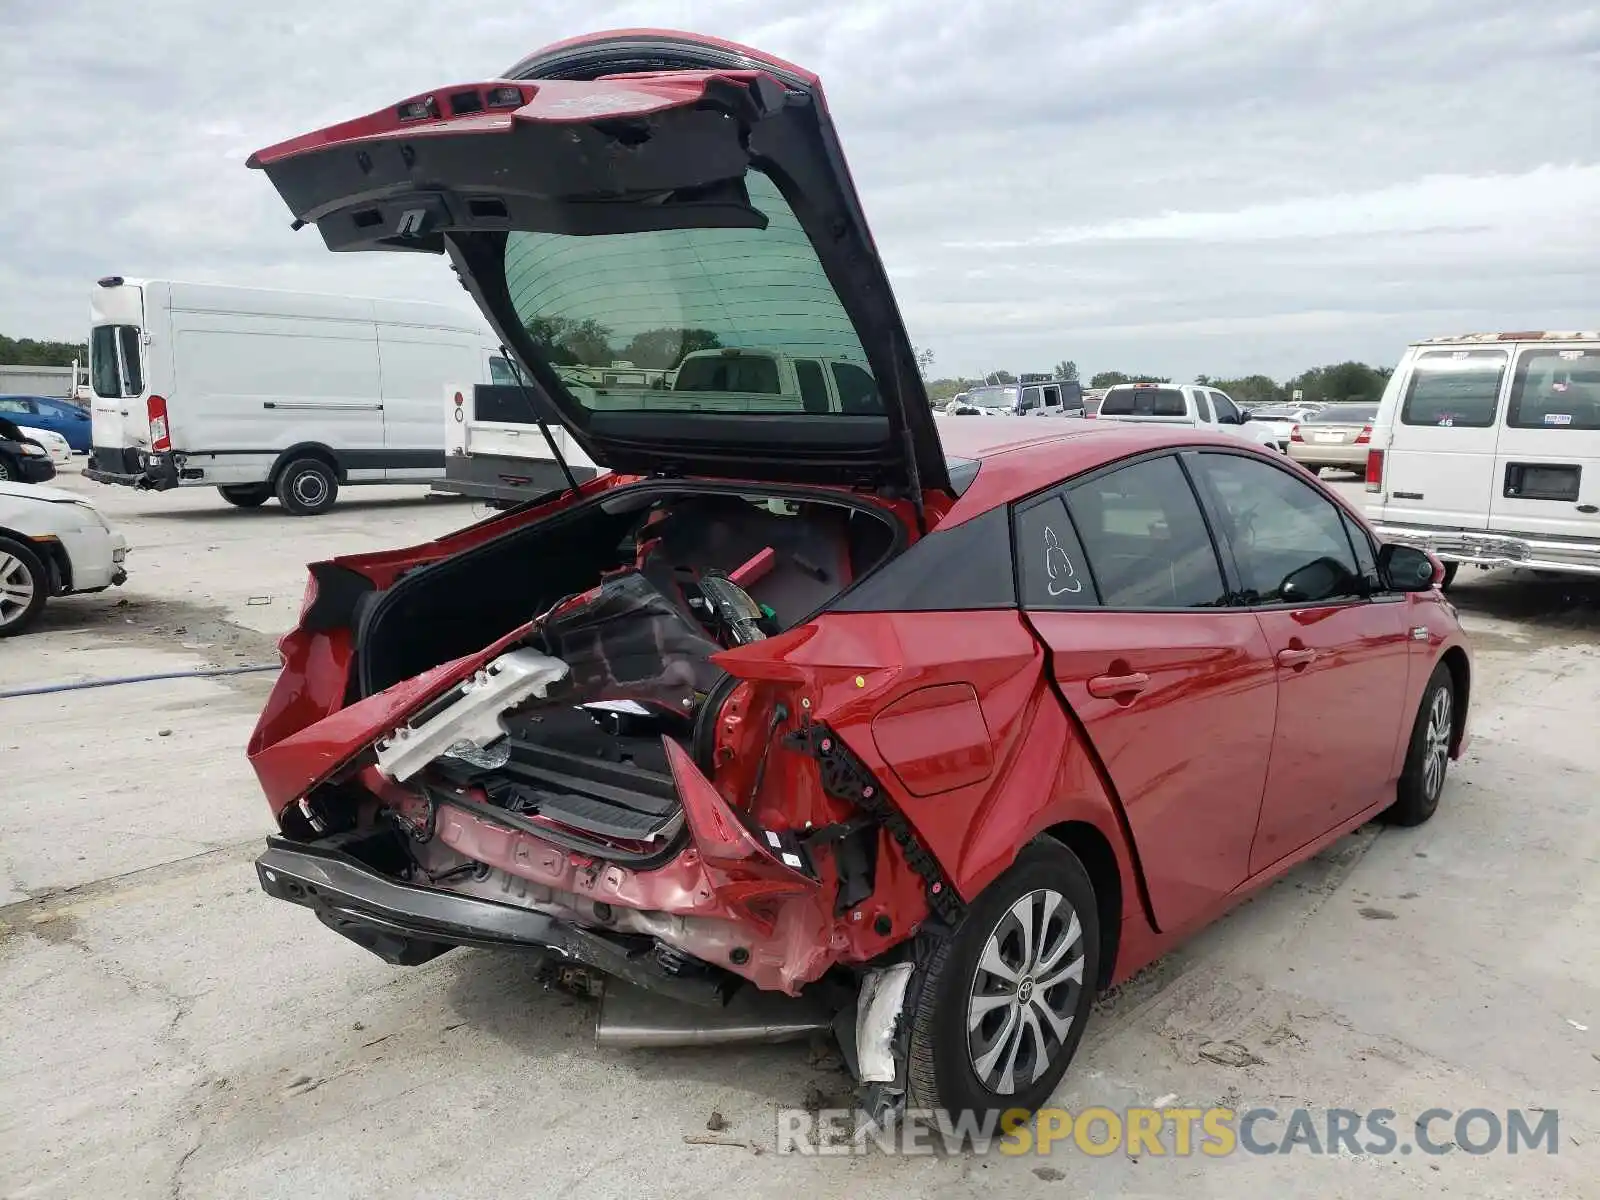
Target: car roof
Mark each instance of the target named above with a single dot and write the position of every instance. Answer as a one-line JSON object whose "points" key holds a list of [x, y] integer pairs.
{"points": [[1535, 335], [1017, 459]]}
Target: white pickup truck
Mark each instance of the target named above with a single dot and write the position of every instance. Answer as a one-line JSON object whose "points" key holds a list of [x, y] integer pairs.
{"points": [[1183, 404], [495, 450]]}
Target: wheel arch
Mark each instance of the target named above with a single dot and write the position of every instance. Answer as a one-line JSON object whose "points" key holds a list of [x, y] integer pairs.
{"points": [[1094, 850], [1456, 662], [51, 553], [317, 450]]}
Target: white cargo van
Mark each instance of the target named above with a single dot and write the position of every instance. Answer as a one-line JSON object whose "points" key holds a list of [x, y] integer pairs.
{"points": [[1486, 450], [260, 393]]}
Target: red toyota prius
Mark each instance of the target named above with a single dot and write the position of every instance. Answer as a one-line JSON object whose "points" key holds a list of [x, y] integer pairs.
{"points": [[943, 733]]}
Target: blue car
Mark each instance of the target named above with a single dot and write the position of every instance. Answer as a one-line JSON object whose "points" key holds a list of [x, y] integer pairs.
{"points": [[49, 412]]}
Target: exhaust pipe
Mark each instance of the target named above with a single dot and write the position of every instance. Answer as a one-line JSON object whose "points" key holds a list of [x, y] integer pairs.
{"points": [[634, 1019]]}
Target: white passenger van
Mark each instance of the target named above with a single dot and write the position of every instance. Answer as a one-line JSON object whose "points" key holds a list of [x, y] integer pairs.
{"points": [[1486, 450], [260, 393]]}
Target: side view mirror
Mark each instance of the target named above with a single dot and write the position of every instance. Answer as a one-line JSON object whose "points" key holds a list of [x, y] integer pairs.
{"points": [[1317, 580], [1244, 415], [1406, 568]]}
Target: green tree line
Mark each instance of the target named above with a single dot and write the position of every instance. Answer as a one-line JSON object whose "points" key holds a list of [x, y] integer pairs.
{"points": [[26, 352]]}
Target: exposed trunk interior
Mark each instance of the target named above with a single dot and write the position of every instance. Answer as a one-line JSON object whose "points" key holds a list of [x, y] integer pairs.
{"points": [[633, 593]]}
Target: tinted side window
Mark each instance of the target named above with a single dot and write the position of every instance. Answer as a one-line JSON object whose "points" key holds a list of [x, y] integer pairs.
{"points": [[1282, 532], [15, 405], [1202, 406], [1054, 573], [1145, 539], [1227, 410], [813, 388], [1454, 387], [1366, 560], [858, 391], [132, 367]]}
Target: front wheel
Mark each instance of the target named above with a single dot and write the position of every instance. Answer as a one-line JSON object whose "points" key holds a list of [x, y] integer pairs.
{"points": [[9, 471], [24, 586], [1428, 758], [307, 486], [246, 495], [1004, 1000]]}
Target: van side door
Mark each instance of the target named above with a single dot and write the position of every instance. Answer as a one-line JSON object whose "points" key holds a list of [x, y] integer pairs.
{"points": [[415, 363], [1440, 459], [1547, 459]]}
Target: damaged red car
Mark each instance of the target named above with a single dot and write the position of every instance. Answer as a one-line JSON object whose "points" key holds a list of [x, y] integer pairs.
{"points": [[939, 737]]}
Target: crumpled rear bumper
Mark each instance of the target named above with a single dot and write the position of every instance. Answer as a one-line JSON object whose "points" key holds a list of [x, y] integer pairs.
{"points": [[406, 925]]}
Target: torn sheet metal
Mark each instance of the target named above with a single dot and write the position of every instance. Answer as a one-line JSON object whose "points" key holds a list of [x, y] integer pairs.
{"points": [[883, 995], [474, 716]]}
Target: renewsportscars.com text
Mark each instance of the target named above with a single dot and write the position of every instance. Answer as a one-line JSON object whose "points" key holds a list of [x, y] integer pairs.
{"points": [[1178, 1132]]}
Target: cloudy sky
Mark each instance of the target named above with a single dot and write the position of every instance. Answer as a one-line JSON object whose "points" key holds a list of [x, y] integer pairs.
{"points": [[1181, 186]]}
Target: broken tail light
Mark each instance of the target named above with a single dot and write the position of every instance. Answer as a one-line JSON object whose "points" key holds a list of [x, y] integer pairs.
{"points": [[156, 410], [1374, 470], [1295, 434], [1365, 436]]}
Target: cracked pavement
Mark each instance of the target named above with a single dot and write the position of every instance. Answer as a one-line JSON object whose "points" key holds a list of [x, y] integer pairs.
{"points": [[171, 1032]]}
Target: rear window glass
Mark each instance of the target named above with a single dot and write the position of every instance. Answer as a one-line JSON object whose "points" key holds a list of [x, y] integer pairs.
{"points": [[1344, 414], [104, 376], [1556, 389], [1144, 402], [757, 373], [655, 297], [1454, 387]]}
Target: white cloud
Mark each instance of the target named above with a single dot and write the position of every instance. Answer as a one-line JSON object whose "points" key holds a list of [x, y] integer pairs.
{"points": [[1167, 185]]}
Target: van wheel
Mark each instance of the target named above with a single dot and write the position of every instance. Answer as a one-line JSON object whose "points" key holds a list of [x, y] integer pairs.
{"points": [[246, 495], [24, 586], [307, 486], [1005, 998]]}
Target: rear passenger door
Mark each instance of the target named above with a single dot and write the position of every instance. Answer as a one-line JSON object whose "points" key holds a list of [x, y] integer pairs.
{"points": [[1440, 458], [1341, 645], [1547, 459], [1176, 692]]}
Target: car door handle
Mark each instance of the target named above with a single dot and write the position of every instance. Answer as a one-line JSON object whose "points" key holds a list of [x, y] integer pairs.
{"points": [[1296, 658], [1108, 687]]}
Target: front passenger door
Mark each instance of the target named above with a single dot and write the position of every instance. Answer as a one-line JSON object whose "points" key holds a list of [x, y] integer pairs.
{"points": [[1176, 692], [1341, 647]]}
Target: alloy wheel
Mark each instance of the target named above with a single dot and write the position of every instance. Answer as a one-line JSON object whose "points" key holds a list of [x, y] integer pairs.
{"points": [[1025, 991], [1436, 747], [16, 588]]}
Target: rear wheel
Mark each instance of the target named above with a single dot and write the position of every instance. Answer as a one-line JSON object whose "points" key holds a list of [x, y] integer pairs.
{"points": [[1428, 758], [9, 470], [246, 495], [1004, 1000], [307, 486], [24, 586]]}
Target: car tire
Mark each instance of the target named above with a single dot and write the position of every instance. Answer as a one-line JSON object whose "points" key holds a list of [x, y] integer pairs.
{"points": [[24, 587], [1428, 756], [970, 1027], [10, 469], [307, 486], [246, 495], [1450, 569]]}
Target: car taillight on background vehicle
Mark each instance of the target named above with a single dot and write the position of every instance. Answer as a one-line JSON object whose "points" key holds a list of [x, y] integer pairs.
{"points": [[1374, 470], [1294, 433], [160, 442], [1364, 436]]}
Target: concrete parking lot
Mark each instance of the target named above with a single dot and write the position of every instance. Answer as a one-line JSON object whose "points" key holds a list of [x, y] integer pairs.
{"points": [[170, 1031]]}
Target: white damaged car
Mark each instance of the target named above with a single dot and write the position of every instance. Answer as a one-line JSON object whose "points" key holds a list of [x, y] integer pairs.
{"points": [[52, 543], [52, 444]]}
